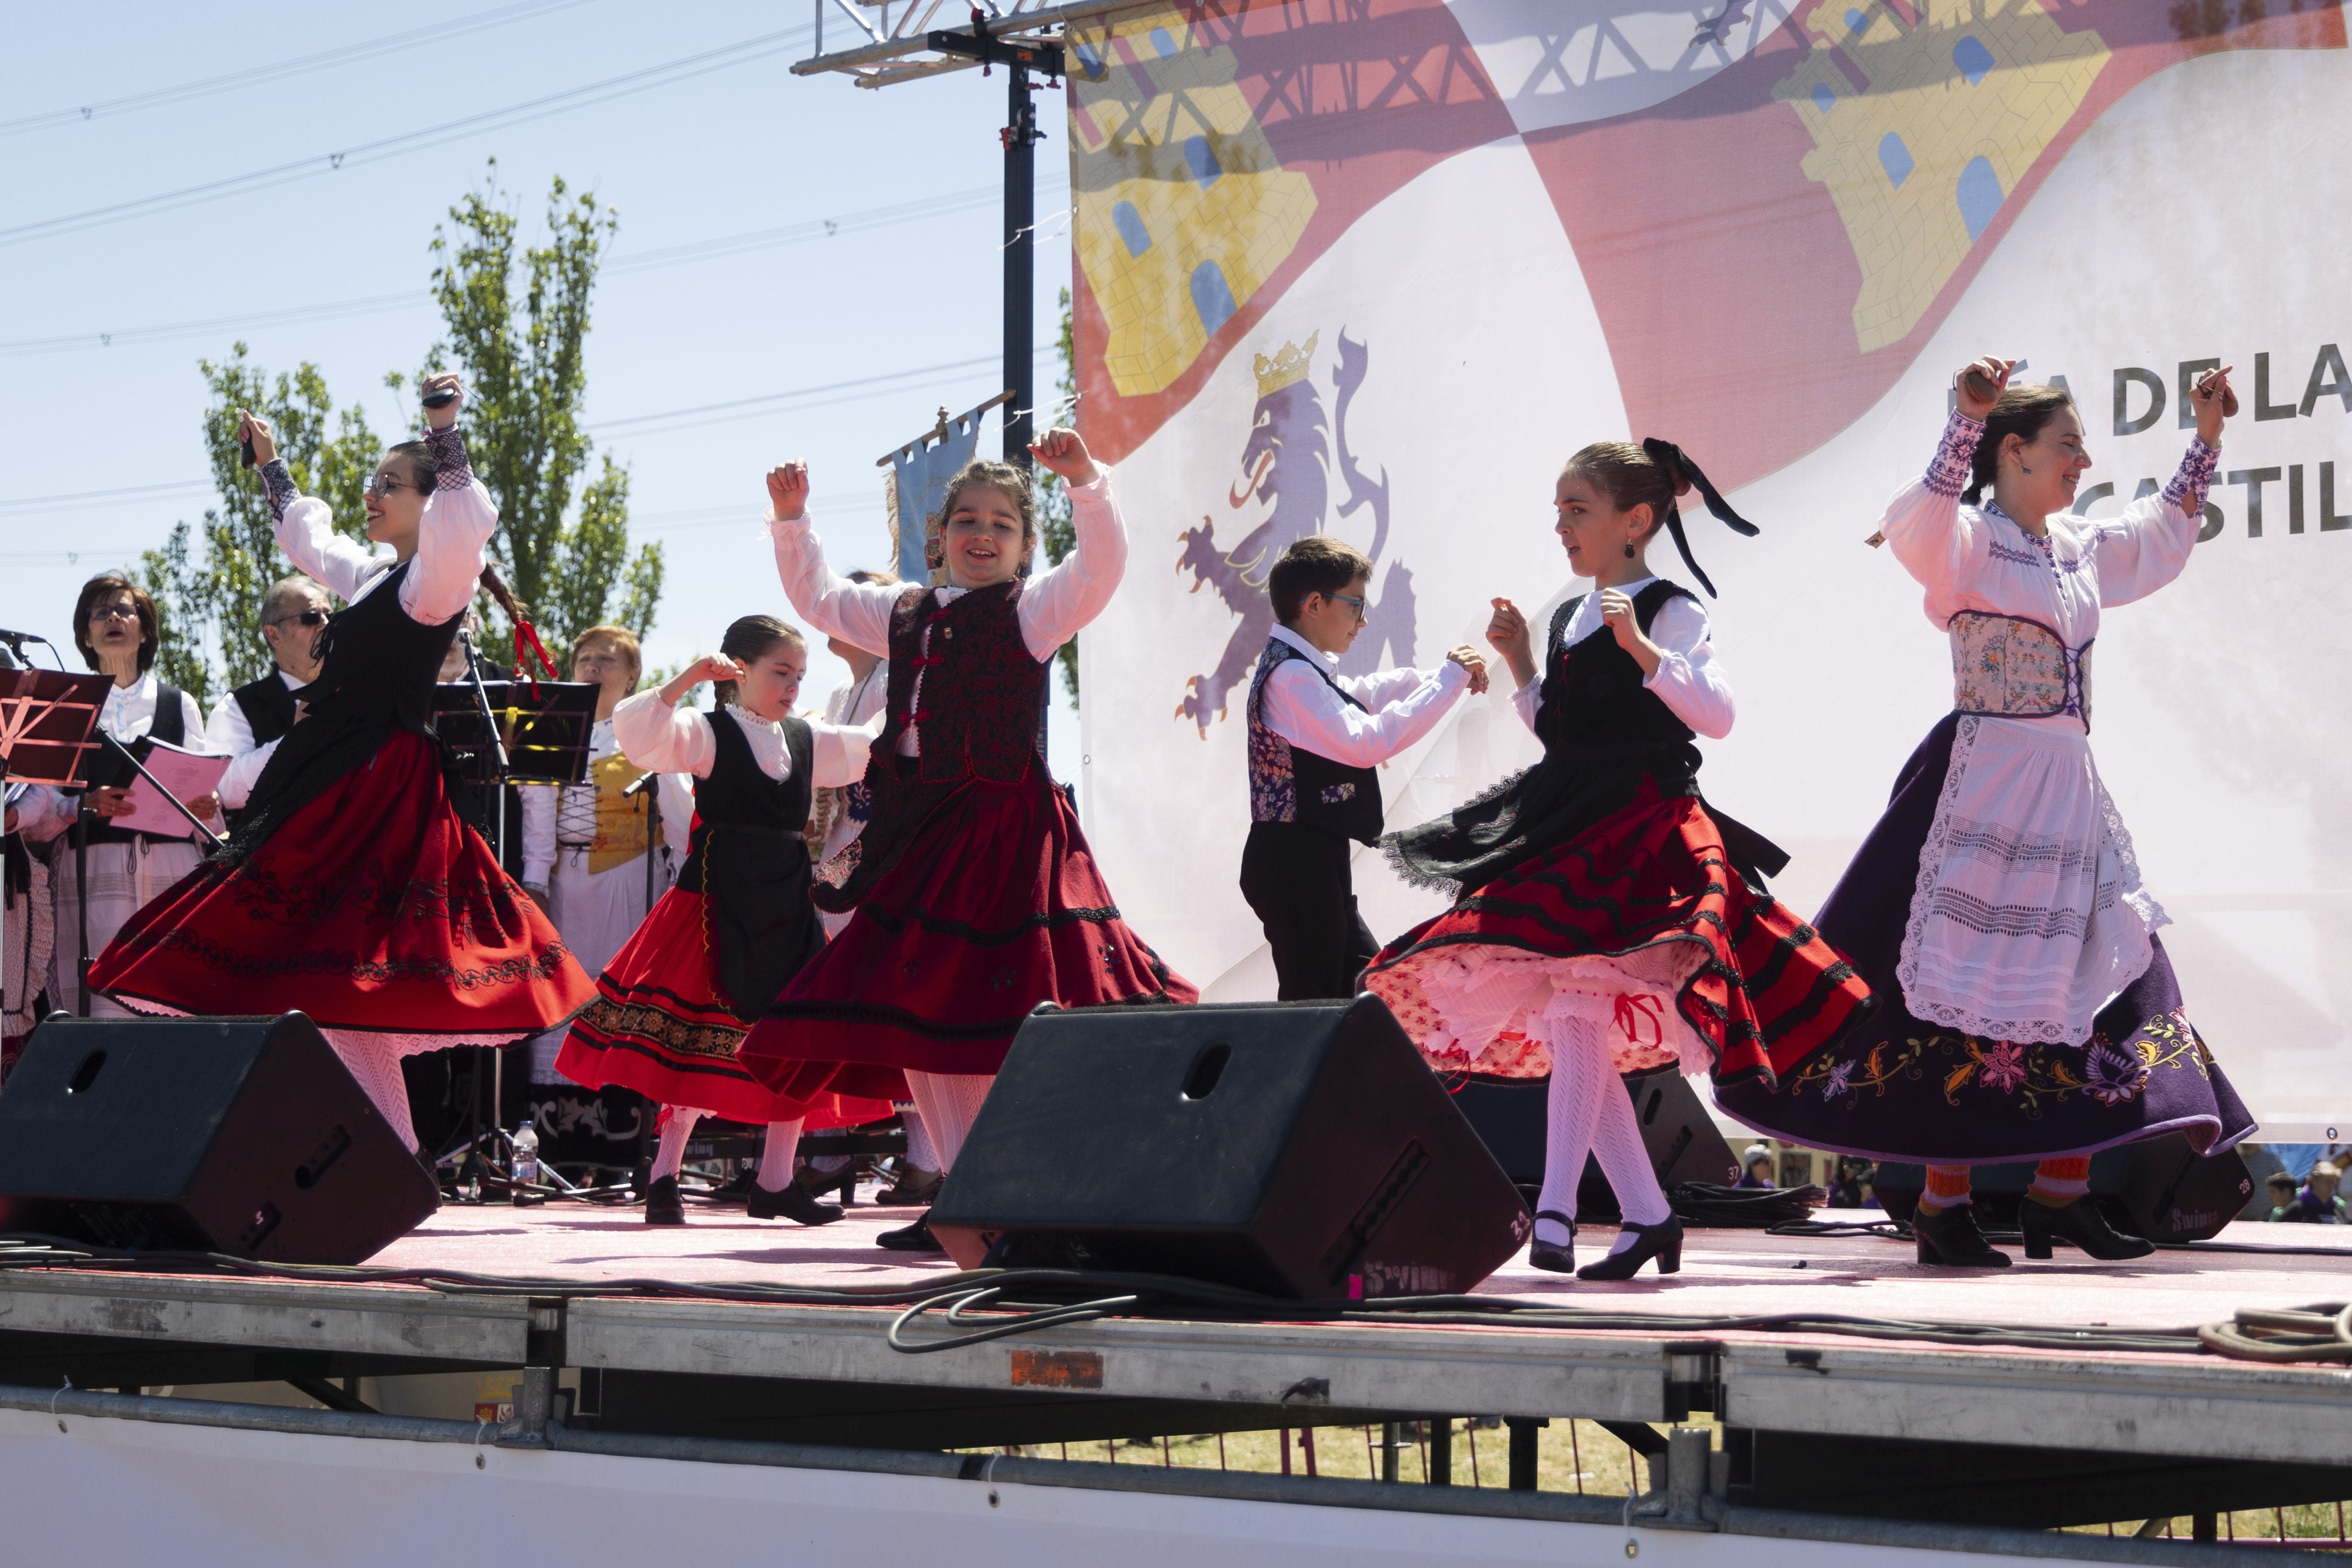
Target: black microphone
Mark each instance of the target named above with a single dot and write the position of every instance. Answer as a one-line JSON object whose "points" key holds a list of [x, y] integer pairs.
{"points": [[16, 640]]}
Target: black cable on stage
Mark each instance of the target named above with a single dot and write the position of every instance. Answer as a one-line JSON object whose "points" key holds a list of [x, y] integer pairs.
{"points": [[1716, 1206]]}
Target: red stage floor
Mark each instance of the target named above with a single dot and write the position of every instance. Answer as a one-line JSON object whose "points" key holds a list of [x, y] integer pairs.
{"points": [[1725, 1272]]}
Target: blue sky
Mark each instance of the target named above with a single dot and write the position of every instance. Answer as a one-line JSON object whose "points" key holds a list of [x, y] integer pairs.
{"points": [[743, 148]]}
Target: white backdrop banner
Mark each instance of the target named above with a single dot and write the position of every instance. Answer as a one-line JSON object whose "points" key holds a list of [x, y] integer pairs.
{"points": [[1376, 269]]}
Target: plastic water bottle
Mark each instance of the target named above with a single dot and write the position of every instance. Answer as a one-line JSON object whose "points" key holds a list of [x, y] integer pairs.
{"points": [[525, 1168]]}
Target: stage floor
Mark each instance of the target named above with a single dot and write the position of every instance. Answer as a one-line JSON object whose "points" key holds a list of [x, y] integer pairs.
{"points": [[1724, 1273]]}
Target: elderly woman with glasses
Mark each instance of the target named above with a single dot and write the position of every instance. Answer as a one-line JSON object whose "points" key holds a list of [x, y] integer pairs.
{"points": [[117, 630], [351, 890]]}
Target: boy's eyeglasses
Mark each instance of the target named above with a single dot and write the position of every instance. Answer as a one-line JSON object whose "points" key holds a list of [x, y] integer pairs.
{"points": [[1361, 611]]}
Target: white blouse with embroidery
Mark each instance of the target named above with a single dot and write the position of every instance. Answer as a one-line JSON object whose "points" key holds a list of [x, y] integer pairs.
{"points": [[2028, 915]]}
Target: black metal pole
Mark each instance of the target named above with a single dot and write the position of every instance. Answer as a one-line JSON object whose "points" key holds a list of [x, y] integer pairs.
{"points": [[1020, 262]]}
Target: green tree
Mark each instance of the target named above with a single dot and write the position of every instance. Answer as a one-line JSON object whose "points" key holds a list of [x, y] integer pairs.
{"points": [[1055, 529], [210, 598], [516, 322]]}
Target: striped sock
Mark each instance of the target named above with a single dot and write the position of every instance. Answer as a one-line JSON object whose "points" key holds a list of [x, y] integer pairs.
{"points": [[1947, 1186], [2059, 1182]]}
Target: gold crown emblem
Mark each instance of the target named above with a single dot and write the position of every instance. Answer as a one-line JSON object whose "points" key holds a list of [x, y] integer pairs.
{"points": [[1287, 368]]}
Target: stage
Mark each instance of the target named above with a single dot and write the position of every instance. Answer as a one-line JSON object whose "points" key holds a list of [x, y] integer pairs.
{"points": [[1855, 1408]]}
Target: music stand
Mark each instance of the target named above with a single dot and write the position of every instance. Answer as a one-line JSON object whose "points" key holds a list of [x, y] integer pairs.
{"points": [[46, 720], [501, 732]]}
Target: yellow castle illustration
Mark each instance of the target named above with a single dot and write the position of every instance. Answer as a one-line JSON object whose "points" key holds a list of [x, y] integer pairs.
{"points": [[1921, 132], [1183, 211]]}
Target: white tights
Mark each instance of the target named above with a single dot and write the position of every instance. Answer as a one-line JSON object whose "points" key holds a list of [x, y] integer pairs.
{"points": [[775, 1155], [375, 1062], [948, 1102], [1589, 1110]]}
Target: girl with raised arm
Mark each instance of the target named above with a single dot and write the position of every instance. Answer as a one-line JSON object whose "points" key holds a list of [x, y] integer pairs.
{"points": [[974, 895], [1997, 908], [351, 891], [672, 1007], [1607, 921]]}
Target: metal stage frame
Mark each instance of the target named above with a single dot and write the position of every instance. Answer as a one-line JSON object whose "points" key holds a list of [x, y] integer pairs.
{"points": [[1823, 1437]]}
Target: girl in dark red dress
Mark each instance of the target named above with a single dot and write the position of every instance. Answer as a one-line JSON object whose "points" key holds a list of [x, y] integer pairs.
{"points": [[976, 898], [351, 891], [674, 1001], [1608, 921]]}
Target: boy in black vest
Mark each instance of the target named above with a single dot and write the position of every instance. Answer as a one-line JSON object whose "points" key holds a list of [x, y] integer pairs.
{"points": [[1315, 738]]}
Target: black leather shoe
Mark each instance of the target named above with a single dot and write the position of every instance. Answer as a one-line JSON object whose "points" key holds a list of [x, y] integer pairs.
{"points": [[2081, 1224], [915, 1186], [1542, 1254], [915, 1237], [663, 1205], [794, 1202], [1949, 1237], [1662, 1241]]}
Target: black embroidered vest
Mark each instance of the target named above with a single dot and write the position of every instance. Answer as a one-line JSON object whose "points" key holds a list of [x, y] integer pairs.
{"points": [[1289, 783], [1593, 700], [268, 707], [982, 692], [748, 861]]}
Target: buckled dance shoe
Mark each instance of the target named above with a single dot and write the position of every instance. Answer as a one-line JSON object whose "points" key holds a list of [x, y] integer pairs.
{"points": [[663, 1205], [1542, 1254], [794, 1202], [1948, 1238], [2080, 1224], [1662, 1241]]}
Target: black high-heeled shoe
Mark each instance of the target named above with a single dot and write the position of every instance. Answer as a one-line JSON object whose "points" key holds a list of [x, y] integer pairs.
{"points": [[662, 1204], [2080, 1223], [1662, 1241], [1949, 1237], [1542, 1254]]}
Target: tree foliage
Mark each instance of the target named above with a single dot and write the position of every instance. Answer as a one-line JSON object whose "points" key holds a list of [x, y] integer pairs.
{"points": [[210, 599], [516, 322]]}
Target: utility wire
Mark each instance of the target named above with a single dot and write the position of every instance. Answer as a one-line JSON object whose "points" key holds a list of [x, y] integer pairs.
{"points": [[300, 65], [667, 74], [717, 247]]}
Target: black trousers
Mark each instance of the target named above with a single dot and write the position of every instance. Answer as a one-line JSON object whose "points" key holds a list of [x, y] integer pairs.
{"points": [[1296, 880]]}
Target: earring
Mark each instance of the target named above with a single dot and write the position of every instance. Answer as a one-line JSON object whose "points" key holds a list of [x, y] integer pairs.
{"points": [[1629, 550], [2022, 466]]}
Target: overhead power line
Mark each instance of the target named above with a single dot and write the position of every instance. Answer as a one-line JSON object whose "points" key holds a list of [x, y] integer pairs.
{"points": [[917, 378], [300, 65], [716, 248], [669, 73]]}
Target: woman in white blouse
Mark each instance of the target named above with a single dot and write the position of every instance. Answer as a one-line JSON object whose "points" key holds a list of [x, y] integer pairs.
{"points": [[2027, 1010]]}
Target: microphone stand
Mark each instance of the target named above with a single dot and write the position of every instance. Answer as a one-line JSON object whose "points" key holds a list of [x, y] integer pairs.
{"points": [[497, 804]]}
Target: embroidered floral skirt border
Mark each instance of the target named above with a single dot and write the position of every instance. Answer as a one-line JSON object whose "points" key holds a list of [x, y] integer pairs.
{"points": [[374, 909], [658, 1026], [1901, 1088]]}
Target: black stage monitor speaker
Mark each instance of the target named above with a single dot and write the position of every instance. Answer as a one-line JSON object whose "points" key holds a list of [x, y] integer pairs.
{"points": [[1683, 1144], [243, 1135], [1297, 1149]]}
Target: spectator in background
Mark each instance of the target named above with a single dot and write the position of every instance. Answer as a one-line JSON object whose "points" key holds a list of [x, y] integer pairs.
{"points": [[2282, 1190], [1846, 1189], [251, 720], [2318, 1203], [1756, 1168]]}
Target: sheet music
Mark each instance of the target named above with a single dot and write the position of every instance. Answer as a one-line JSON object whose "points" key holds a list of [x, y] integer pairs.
{"points": [[186, 773]]}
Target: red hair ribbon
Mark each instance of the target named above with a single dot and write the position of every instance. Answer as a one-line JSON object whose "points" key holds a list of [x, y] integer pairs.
{"points": [[526, 632], [1636, 1009]]}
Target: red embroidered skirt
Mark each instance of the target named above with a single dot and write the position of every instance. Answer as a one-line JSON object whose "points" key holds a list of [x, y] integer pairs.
{"points": [[657, 1025], [1642, 915], [374, 909], [993, 906]]}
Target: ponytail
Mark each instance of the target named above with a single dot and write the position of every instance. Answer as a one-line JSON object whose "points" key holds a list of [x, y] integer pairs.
{"points": [[495, 587]]}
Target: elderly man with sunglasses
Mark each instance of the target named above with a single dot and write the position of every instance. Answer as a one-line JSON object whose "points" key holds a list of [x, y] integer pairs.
{"points": [[250, 719]]}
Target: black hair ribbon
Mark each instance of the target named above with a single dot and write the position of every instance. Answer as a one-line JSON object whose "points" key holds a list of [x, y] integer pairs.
{"points": [[1669, 456]]}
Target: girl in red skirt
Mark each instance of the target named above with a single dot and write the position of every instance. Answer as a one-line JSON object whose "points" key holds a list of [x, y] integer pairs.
{"points": [[351, 891], [976, 898], [674, 1003], [1607, 922]]}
